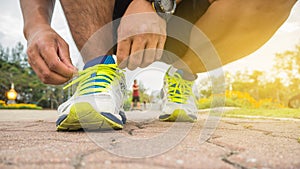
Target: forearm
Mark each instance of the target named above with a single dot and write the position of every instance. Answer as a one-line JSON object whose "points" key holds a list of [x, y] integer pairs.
{"points": [[35, 14]]}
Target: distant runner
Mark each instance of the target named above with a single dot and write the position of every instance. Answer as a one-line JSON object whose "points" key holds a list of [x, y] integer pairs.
{"points": [[135, 96]]}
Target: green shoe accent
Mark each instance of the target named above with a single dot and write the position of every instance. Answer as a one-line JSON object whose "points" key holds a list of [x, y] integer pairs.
{"points": [[101, 75], [178, 115], [179, 90], [83, 116]]}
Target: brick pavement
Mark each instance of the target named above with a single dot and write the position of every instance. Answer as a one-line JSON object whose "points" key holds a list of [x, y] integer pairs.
{"points": [[29, 140]]}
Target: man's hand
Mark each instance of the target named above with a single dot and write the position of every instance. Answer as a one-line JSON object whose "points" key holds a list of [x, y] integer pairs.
{"points": [[48, 55], [141, 36]]}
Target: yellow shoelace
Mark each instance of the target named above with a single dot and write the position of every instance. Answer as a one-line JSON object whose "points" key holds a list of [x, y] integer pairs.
{"points": [[179, 89], [95, 79]]}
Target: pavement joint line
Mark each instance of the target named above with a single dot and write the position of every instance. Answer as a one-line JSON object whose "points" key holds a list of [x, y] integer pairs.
{"points": [[265, 132], [218, 145], [130, 132], [78, 161], [224, 154], [139, 125], [232, 123], [236, 165], [6, 161], [32, 125], [270, 133], [230, 153]]}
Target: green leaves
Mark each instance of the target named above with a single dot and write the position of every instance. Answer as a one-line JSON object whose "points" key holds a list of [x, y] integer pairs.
{"points": [[15, 69]]}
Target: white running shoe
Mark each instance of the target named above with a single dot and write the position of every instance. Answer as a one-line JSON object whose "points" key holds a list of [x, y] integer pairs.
{"points": [[178, 99], [98, 100]]}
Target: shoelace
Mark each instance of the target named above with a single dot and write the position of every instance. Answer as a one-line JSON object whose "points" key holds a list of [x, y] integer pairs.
{"points": [[179, 89], [100, 75]]}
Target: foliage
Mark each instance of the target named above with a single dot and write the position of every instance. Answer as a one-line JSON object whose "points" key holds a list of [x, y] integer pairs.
{"points": [[14, 68], [275, 113], [242, 100], [204, 103], [18, 106], [143, 97], [265, 88], [2, 102]]}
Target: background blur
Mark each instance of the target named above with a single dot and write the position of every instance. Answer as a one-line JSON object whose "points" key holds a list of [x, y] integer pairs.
{"points": [[268, 78]]}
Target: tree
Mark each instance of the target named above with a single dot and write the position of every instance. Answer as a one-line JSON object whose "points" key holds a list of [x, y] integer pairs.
{"points": [[4, 53], [288, 66], [281, 86], [14, 68]]}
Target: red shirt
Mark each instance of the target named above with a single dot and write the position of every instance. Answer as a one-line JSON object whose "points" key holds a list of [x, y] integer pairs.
{"points": [[135, 91]]}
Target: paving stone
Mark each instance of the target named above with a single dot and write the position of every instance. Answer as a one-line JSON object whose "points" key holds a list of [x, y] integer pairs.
{"points": [[236, 143]]}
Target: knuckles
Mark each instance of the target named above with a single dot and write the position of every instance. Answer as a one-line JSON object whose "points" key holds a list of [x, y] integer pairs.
{"points": [[53, 65], [30, 50], [45, 77], [42, 46]]}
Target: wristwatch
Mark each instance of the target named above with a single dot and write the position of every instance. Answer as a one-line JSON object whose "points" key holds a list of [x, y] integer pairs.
{"points": [[164, 8]]}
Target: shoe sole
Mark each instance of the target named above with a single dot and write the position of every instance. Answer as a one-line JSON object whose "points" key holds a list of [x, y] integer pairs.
{"points": [[178, 115], [83, 116]]}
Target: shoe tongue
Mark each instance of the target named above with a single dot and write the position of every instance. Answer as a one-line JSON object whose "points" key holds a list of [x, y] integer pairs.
{"points": [[107, 59], [185, 75], [172, 71]]}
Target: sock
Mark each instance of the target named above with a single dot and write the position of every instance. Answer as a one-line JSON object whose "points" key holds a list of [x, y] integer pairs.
{"points": [[107, 59]]}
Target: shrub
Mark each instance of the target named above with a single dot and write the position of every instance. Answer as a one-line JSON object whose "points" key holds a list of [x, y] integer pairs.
{"points": [[19, 106], [2, 102], [205, 103], [242, 100]]}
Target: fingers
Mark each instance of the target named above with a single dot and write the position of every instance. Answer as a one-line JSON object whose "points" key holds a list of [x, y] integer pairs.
{"points": [[48, 55], [41, 68], [140, 50], [140, 33], [64, 54], [160, 47], [123, 52], [137, 53], [53, 61], [149, 54]]}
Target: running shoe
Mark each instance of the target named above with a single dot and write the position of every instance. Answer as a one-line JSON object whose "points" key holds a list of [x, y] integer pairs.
{"points": [[178, 99], [98, 100]]}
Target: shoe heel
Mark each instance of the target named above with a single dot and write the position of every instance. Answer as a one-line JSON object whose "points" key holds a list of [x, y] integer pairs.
{"points": [[83, 116], [178, 115]]}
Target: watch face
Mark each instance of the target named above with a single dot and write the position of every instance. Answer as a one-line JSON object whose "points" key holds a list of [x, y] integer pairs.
{"points": [[167, 5]]}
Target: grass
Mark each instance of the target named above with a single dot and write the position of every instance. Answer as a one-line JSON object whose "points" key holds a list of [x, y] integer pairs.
{"points": [[276, 113], [20, 106], [23, 107]]}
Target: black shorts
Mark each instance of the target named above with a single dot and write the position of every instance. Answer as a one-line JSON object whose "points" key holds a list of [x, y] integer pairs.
{"points": [[190, 10], [135, 98]]}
